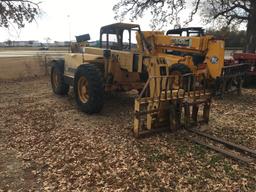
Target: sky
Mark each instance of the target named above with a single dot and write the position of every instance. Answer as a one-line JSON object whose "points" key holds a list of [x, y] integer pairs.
{"points": [[62, 19]]}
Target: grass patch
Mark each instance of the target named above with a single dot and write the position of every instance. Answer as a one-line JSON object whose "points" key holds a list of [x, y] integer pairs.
{"points": [[156, 156], [230, 171], [215, 159], [182, 150], [199, 151], [207, 174]]}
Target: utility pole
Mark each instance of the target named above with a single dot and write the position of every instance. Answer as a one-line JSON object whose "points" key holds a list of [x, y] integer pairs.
{"points": [[69, 29]]}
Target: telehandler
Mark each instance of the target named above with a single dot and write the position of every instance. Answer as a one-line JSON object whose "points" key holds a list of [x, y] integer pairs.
{"points": [[172, 72]]}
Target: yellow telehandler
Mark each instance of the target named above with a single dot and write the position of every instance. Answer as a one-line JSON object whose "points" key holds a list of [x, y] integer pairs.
{"points": [[173, 73]]}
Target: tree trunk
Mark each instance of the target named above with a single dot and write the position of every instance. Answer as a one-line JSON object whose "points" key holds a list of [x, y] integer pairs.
{"points": [[250, 46]]}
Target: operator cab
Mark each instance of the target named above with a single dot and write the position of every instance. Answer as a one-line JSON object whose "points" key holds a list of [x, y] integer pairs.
{"points": [[187, 32], [118, 36]]}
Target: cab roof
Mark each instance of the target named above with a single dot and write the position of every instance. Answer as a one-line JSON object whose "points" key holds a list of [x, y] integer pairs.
{"points": [[112, 28]]}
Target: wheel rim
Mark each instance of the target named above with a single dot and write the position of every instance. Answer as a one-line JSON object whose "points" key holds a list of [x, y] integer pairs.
{"points": [[83, 90], [55, 79]]}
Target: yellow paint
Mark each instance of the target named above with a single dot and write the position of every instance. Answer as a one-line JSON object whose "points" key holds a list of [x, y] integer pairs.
{"points": [[216, 49], [93, 50], [74, 60], [124, 59]]}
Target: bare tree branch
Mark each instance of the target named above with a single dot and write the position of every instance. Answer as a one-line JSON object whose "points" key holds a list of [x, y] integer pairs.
{"points": [[167, 11], [18, 12]]}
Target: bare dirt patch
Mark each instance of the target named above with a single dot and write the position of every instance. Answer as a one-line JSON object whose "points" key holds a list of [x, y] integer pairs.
{"points": [[47, 144]]}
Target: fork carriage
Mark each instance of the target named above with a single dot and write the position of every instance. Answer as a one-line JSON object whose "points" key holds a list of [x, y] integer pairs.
{"points": [[172, 102]]}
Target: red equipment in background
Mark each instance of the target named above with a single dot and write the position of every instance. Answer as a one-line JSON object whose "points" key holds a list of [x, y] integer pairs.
{"points": [[250, 59]]}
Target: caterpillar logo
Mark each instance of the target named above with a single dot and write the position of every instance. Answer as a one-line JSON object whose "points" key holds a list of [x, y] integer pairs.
{"points": [[181, 42]]}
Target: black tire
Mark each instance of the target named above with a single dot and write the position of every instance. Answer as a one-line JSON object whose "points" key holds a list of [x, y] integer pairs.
{"points": [[94, 89], [59, 86], [182, 70]]}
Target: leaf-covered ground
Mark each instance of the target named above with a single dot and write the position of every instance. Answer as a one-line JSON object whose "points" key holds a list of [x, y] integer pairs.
{"points": [[46, 144]]}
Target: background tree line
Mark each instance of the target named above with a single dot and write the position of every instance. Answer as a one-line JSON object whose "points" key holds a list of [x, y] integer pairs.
{"points": [[233, 38]]}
